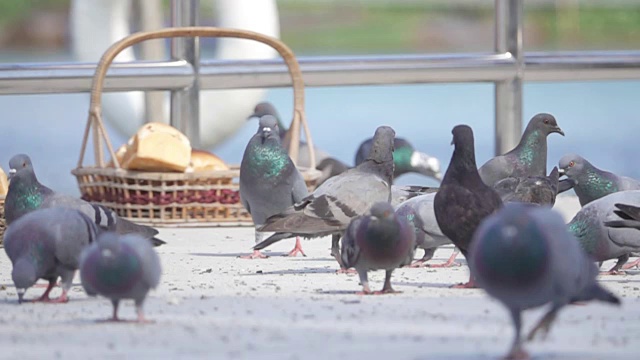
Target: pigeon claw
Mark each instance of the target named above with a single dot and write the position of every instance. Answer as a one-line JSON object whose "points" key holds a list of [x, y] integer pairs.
{"points": [[255, 255], [297, 249]]}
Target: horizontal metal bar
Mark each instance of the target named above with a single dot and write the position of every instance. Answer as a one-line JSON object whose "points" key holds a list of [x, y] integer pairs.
{"points": [[582, 66], [43, 78], [35, 78]]}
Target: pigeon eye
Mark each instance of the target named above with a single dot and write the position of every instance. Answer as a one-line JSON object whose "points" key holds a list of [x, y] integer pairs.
{"points": [[571, 164], [24, 164], [546, 121]]}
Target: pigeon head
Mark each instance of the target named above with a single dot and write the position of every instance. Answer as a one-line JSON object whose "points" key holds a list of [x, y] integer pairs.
{"points": [[545, 123], [23, 276], [510, 245], [110, 247], [262, 109], [19, 163], [268, 127], [572, 165], [382, 148], [382, 210]]}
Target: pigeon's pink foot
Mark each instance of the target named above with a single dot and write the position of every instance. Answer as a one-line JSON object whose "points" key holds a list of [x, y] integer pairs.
{"points": [[517, 354], [255, 255], [59, 300], [632, 264], [387, 291], [450, 262], [346, 271], [417, 264], [297, 249], [142, 320], [613, 272], [468, 285]]}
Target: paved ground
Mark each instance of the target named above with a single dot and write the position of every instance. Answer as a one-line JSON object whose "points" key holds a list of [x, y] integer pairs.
{"points": [[213, 305]]}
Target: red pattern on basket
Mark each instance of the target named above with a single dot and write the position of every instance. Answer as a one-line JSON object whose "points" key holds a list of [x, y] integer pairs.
{"points": [[224, 196]]}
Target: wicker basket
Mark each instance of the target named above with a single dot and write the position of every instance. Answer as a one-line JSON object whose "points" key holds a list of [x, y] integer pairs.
{"points": [[178, 199]]}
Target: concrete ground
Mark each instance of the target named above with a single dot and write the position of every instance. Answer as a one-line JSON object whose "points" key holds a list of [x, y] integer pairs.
{"points": [[210, 304]]}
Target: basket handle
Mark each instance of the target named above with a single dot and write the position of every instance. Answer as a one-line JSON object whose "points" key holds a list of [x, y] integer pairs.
{"points": [[95, 107]]}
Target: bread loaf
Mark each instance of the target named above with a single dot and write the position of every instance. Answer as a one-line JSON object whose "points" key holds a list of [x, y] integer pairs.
{"points": [[157, 147], [4, 184], [205, 161]]}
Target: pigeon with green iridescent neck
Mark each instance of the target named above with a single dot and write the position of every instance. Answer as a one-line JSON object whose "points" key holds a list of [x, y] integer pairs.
{"points": [[602, 242], [524, 257], [379, 240], [405, 159], [120, 267], [269, 181], [591, 183], [330, 208], [27, 194], [540, 190], [46, 244], [463, 200], [419, 213], [528, 158], [304, 159]]}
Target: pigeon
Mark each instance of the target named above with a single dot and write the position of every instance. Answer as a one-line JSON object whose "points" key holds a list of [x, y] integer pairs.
{"points": [[46, 244], [463, 200], [419, 213], [529, 158], [406, 159], [304, 159], [269, 181], [600, 241], [524, 257], [540, 190], [631, 219], [330, 208], [591, 183], [379, 240], [26, 194], [120, 267], [402, 193]]}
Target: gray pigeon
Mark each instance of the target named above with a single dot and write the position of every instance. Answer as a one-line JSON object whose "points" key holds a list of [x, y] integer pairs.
{"points": [[27, 194], [380, 240], [602, 242], [463, 200], [591, 183], [420, 214], [528, 158], [630, 216], [330, 167], [524, 257], [269, 181], [330, 208], [46, 244], [120, 267], [405, 158], [304, 159], [540, 190]]}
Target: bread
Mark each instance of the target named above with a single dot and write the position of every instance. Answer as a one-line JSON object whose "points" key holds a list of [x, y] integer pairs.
{"points": [[4, 183], [122, 150], [158, 147], [205, 161]]}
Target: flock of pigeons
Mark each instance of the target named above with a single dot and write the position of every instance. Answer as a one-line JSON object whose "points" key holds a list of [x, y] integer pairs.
{"points": [[499, 216]]}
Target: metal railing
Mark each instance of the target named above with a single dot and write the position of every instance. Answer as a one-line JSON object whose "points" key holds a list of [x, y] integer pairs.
{"points": [[185, 75]]}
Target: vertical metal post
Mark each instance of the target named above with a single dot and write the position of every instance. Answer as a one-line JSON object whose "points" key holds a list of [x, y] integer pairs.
{"points": [[185, 110], [508, 94], [150, 15]]}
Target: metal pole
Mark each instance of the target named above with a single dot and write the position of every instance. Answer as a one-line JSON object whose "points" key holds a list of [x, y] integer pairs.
{"points": [[508, 93], [185, 110], [150, 12]]}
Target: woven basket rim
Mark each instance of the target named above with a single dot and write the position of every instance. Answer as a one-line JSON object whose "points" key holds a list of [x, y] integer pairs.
{"points": [[307, 173]]}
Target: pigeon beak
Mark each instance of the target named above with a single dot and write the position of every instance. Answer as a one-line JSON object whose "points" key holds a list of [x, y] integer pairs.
{"points": [[451, 141], [558, 130], [266, 130], [21, 295], [11, 173], [561, 171]]}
